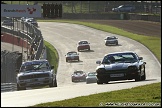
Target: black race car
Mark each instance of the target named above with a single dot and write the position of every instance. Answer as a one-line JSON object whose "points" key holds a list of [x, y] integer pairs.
{"points": [[120, 66]]}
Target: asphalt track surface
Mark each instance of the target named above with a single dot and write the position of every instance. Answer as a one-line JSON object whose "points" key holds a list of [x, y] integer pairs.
{"points": [[64, 38]]}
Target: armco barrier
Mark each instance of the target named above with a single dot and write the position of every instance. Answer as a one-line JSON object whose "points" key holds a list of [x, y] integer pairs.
{"points": [[32, 36], [9, 60], [6, 87]]}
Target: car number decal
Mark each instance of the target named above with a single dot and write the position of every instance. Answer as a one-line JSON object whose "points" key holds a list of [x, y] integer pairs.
{"points": [[117, 75]]}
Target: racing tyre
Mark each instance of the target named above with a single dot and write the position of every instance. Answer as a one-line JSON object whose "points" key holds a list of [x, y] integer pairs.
{"points": [[116, 43], [99, 82], [78, 49], [72, 80], [106, 82], [20, 88], [138, 78], [55, 83], [144, 76], [87, 82]]}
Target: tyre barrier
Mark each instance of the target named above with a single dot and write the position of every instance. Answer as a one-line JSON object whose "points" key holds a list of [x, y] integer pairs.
{"points": [[6, 87]]}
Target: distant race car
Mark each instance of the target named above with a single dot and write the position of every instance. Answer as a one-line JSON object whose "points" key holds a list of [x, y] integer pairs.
{"points": [[35, 73], [29, 21], [83, 45], [72, 56], [124, 8], [8, 22], [78, 75], [120, 66], [111, 40], [91, 77], [23, 19]]}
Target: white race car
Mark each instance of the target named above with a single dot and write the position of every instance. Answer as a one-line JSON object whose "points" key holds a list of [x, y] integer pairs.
{"points": [[91, 77], [72, 56], [35, 73]]}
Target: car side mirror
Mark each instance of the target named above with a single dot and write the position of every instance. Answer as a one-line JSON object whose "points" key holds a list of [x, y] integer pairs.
{"points": [[98, 62], [52, 67]]}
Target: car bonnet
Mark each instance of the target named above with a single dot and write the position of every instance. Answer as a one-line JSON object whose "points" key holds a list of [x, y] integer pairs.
{"points": [[116, 66]]}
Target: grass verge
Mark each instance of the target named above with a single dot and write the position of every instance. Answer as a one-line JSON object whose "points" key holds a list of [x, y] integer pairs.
{"points": [[148, 94], [52, 55]]}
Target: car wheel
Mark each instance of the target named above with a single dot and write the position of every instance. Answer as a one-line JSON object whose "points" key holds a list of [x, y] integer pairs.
{"points": [[99, 82], [106, 82], [72, 80], [66, 60], [51, 84], [87, 82], [20, 88], [138, 78], [144, 76], [55, 83], [116, 43], [78, 59]]}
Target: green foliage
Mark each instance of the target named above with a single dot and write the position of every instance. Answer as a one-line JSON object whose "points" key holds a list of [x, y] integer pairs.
{"points": [[52, 55]]}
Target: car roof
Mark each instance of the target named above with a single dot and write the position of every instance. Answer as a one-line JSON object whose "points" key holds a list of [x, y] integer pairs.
{"points": [[42, 60], [111, 36], [78, 71], [83, 41], [121, 52], [72, 52], [91, 72]]}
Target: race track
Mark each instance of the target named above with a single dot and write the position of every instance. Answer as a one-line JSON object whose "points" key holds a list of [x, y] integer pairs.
{"points": [[64, 38]]}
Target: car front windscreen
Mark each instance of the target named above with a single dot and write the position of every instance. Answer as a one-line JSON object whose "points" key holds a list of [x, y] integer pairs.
{"points": [[78, 72], [30, 67], [91, 74], [72, 53], [110, 38], [121, 6], [120, 58], [83, 42]]}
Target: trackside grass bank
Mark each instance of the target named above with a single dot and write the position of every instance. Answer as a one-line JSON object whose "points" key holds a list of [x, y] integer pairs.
{"points": [[52, 55], [147, 95]]}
